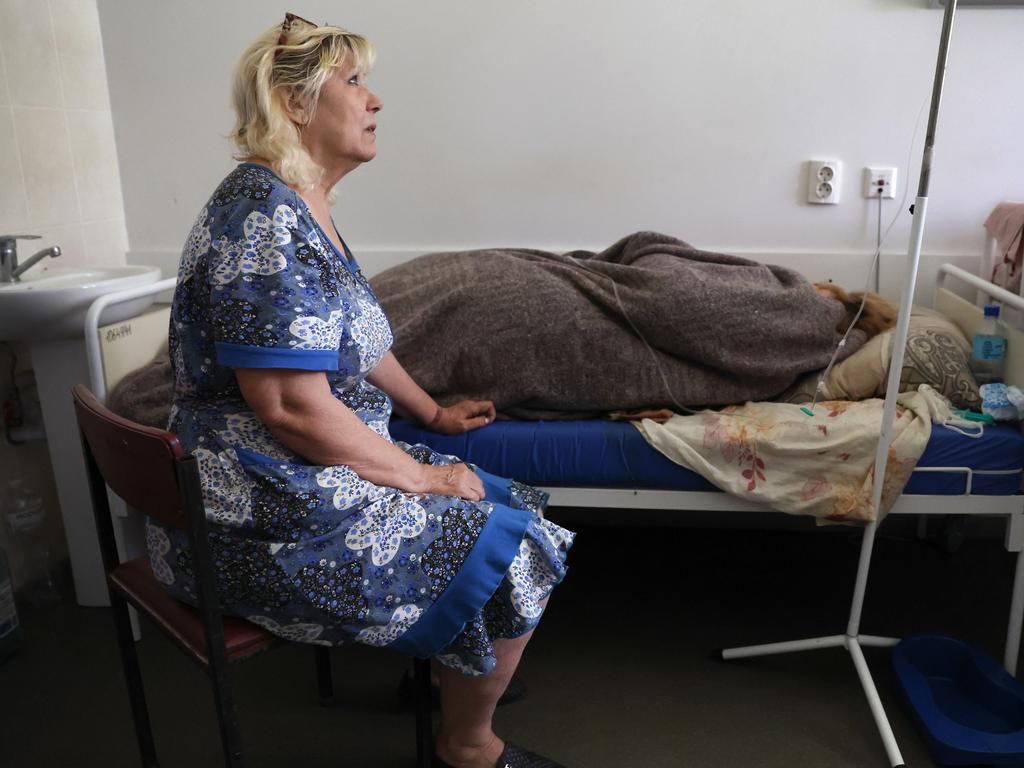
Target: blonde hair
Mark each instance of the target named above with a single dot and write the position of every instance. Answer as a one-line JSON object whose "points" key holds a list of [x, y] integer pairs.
{"points": [[878, 316], [268, 75]]}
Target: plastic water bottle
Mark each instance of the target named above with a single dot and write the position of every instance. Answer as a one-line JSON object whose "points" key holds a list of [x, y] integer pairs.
{"points": [[988, 348], [10, 630], [26, 513]]}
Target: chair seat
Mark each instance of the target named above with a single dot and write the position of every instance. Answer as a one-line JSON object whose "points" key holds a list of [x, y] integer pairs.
{"points": [[135, 580]]}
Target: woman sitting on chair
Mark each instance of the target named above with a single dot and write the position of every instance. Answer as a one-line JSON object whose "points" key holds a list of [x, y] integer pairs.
{"points": [[324, 529]]}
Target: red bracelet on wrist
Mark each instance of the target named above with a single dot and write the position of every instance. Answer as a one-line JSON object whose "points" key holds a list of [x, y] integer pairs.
{"points": [[437, 417]]}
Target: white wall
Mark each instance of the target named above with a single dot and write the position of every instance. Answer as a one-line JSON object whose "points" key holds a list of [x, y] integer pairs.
{"points": [[58, 163], [571, 123], [58, 179]]}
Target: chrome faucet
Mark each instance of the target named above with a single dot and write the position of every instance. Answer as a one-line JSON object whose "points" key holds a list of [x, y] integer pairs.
{"points": [[10, 271]]}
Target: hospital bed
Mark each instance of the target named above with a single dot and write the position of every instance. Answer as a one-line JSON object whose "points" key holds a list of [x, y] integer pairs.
{"points": [[608, 465]]}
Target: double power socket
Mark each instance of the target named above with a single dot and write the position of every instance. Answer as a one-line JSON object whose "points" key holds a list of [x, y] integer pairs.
{"points": [[824, 179]]}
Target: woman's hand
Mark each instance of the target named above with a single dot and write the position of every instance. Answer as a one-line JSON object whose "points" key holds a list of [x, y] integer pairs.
{"points": [[463, 416], [452, 480]]}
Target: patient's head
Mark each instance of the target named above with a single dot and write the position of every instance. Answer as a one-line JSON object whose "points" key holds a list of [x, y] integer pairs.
{"points": [[879, 315]]}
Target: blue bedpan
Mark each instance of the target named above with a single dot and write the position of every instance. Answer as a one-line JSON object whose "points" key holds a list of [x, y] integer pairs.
{"points": [[970, 709]]}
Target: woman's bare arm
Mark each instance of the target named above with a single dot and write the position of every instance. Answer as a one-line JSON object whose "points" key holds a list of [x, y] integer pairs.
{"points": [[409, 397], [302, 414], [413, 402]]}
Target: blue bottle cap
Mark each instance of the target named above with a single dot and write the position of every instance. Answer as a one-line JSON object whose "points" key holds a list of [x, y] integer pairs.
{"points": [[991, 310]]}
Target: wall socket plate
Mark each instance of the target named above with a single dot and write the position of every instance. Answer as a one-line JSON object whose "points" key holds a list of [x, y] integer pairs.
{"points": [[823, 180], [879, 178]]}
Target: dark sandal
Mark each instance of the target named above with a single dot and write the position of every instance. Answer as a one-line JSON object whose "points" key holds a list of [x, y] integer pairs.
{"points": [[513, 756], [407, 692]]}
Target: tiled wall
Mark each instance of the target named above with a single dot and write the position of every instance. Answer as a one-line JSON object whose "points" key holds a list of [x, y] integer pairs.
{"points": [[58, 165], [58, 178]]}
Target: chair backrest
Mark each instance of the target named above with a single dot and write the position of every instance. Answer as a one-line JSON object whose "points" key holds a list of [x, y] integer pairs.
{"points": [[140, 464]]}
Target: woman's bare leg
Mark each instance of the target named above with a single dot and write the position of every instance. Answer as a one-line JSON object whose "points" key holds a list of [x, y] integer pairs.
{"points": [[466, 738]]}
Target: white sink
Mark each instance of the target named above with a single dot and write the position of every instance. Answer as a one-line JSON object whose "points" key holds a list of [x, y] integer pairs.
{"points": [[51, 303]]}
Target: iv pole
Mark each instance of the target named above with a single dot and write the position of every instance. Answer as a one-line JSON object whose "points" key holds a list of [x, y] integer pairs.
{"points": [[853, 641]]}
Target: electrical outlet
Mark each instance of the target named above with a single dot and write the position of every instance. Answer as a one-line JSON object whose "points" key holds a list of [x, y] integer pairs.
{"points": [[879, 182], [823, 180]]}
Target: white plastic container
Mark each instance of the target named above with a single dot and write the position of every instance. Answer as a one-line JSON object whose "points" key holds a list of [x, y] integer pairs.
{"points": [[988, 348], [26, 515]]}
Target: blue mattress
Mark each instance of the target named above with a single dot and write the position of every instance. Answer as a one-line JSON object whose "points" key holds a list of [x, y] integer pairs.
{"points": [[610, 454]]}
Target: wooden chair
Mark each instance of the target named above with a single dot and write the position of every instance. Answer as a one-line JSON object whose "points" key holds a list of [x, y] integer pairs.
{"points": [[149, 469]]}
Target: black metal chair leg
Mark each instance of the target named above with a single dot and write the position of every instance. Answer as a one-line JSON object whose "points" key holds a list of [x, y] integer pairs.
{"points": [[424, 713], [133, 677], [324, 679], [227, 719]]}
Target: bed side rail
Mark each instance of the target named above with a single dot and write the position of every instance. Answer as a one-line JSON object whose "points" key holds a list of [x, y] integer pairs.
{"points": [[97, 380]]}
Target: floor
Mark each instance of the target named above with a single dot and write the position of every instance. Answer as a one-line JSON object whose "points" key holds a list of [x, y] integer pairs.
{"points": [[619, 673]]}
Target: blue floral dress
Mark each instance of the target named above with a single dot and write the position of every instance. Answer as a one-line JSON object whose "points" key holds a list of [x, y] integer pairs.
{"points": [[315, 553]]}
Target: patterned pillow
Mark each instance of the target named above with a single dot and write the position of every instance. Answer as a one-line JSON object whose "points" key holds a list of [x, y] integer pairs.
{"points": [[937, 354], [941, 357]]}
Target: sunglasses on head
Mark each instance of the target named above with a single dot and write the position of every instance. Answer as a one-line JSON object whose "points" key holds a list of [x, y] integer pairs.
{"points": [[286, 27]]}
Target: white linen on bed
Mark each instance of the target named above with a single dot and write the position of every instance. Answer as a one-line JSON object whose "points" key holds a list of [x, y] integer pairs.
{"points": [[820, 465]]}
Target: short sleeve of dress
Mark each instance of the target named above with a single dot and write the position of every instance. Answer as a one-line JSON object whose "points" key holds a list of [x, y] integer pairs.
{"points": [[269, 305]]}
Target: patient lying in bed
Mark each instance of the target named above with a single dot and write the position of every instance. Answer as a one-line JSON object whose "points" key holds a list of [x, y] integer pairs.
{"points": [[566, 336], [649, 322]]}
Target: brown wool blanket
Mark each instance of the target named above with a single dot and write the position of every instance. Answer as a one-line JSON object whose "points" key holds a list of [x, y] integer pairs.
{"points": [[544, 335], [145, 394]]}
